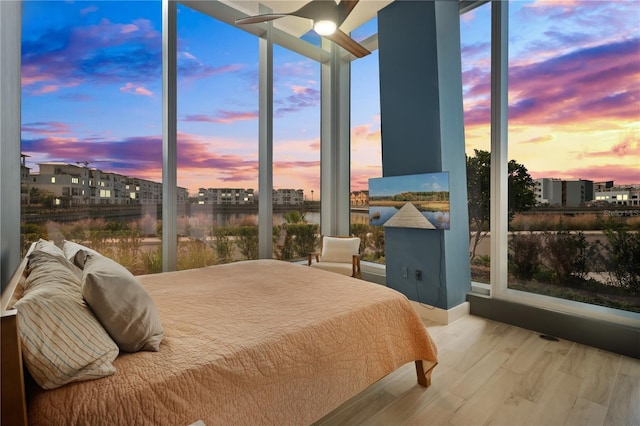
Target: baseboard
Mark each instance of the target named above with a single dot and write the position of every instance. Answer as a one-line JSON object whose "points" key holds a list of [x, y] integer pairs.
{"points": [[439, 315], [598, 333]]}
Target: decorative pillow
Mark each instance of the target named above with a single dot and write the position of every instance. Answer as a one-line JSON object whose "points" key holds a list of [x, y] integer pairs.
{"points": [[76, 253], [43, 264], [336, 249], [62, 341], [48, 247], [122, 305]]}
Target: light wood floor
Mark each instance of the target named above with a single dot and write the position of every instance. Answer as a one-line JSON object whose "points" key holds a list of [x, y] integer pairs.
{"points": [[490, 373]]}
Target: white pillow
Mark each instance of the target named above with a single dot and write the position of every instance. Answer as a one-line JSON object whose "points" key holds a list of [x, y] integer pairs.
{"points": [[48, 247], [122, 305], [62, 341], [71, 250], [55, 252], [336, 249]]}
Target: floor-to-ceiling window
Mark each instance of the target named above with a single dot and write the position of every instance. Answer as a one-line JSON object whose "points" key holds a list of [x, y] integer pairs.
{"points": [[217, 141], [475, 39], [91, 126], [296, 154], [574, 170], [366, 146], [366, 153]]}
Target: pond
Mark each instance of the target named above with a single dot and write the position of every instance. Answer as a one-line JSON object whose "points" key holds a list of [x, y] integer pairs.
{"points": [[379, 215]]}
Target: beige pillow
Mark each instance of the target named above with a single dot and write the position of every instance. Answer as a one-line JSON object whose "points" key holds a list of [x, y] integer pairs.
{"points": [[62, 341], [49, 247], [122, 305], [336, 249], [76, 253]]}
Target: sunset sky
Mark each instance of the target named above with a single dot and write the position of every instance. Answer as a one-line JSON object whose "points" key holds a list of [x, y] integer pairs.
{"points": [[91, 91]]}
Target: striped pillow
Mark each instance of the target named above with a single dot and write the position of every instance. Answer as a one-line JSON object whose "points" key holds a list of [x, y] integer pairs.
{"points": [[62, 341]]}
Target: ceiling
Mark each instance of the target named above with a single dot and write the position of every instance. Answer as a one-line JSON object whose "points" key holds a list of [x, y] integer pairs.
{"points": [[287, 31], [297, 27]]}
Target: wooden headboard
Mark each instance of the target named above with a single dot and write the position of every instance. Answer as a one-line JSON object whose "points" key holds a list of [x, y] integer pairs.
{"points": [[14, 403]]}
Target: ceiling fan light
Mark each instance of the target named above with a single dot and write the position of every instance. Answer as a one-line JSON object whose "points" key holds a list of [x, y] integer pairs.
{"points": [[325, 28]]}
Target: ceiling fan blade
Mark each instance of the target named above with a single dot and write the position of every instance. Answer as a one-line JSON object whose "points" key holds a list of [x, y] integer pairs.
{"points": [[260, 18], [346, 6], [347, 43]]}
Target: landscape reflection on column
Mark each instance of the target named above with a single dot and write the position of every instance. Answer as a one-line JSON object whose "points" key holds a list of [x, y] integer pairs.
{"points": [[410, 201]]}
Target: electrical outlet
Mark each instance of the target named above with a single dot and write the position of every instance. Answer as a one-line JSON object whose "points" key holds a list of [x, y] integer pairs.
{"points": [[404, 273], [418, 275]]}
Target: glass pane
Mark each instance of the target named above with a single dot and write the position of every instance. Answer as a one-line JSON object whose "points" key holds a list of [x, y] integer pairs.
{"points": [[296, 154], [91, 126], [217, 141], [573, 141], [366, 153], [475, 38]]}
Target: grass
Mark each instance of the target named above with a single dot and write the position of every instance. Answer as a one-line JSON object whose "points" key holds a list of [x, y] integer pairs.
{"points": [[579, 222]]}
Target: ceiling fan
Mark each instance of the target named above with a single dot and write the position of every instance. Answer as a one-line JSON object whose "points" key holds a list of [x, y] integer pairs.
{"points": [[327, 16]]}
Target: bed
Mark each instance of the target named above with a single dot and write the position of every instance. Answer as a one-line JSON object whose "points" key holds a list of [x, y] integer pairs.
{"points": [[251, 342]]}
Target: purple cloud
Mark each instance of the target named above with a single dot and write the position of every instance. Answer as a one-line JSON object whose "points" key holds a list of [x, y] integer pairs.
{"points": [[46, 128], [302, 97], [222, 116], [592, 82]]}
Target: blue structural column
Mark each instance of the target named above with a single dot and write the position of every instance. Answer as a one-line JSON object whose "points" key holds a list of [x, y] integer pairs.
{"points": [[423, 132]]}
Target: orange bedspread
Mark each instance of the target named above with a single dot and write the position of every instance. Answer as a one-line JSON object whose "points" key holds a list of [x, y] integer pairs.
{"points": [[255, 342]]}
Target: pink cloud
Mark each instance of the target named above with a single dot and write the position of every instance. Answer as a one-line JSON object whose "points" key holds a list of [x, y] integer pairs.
{"points": [[541, 139], [629, 146], [619, 174], [135, 89], [129, 28]]}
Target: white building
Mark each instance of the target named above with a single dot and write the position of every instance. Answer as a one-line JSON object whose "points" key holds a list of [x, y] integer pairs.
{"points": [[288, 197], [74, 185], [219, 196], [620, 195]]}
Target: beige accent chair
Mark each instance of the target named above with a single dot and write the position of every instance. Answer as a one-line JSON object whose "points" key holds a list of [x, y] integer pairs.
{"points": [[338, 254]]}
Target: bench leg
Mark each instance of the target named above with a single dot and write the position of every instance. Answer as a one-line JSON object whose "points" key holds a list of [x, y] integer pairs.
{"points": [[424, 377]]}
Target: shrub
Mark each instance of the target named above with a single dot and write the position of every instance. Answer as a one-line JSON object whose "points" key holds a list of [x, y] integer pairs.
{"points": [[377, 240], [567, 255], [523, 254], [247, 241], [622, 258], [283, 247], [126, 250], [152, 261], [304, 238], [194, 254], [222, 243], [30, 233], [482, 260], [362, 231]]}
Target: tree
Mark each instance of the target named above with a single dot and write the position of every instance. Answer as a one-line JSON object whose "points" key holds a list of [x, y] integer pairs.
{"points": [[520, 187]]}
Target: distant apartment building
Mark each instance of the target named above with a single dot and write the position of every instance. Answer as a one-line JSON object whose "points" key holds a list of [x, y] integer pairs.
{"points": [[360, 198], [76, 185], [565, 193], [287, 197], [220, 196], [628, 195], [240, 196]]}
